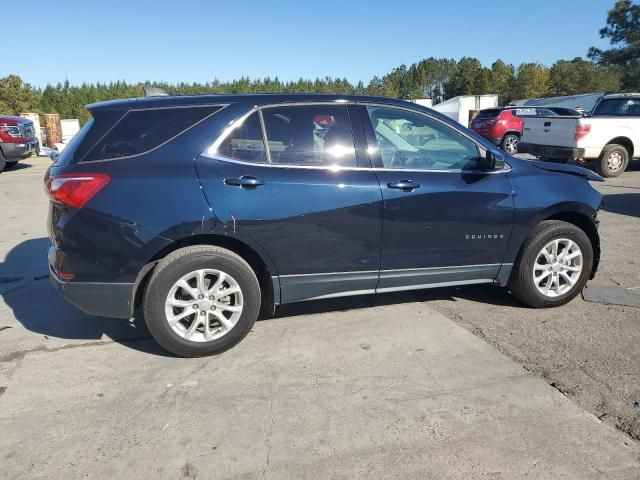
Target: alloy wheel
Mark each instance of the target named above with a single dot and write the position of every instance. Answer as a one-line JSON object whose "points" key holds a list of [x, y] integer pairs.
{"points": [[615, 161], [557, 267], [204, 305], [511, 144]]}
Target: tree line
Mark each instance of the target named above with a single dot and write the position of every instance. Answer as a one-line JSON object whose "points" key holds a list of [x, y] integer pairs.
{"points": [[610, 70]]}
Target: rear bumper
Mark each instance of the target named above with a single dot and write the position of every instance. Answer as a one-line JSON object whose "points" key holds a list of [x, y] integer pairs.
{"points": [[493, 137], [550, 151], [98, 299], [15, 151]]}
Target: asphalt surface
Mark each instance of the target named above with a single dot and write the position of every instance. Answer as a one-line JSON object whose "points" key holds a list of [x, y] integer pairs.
{"points": [[369, 387]]}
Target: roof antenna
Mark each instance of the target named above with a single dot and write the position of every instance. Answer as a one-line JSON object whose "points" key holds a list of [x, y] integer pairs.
{"points": [[154, 92]]}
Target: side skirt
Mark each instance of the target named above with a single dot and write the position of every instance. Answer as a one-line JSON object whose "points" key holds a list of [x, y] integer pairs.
{"points": [[302, 287]]}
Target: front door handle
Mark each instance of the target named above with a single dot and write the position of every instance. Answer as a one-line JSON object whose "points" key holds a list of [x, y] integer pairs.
{"points": [[243, 182], [404, 185]]}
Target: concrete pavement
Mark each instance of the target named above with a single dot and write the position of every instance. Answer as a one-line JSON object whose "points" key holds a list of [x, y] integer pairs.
{"points": [[390, 389]]}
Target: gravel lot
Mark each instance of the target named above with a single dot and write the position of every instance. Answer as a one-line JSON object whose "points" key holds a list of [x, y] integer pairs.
{"points": [[588, 351]]}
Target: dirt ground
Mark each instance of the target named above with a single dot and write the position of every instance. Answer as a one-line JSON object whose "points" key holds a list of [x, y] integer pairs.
{"points": [[588, 351]]}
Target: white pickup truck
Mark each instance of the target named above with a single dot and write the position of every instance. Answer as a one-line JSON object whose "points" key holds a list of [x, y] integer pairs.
{"points": [[610, 135]]}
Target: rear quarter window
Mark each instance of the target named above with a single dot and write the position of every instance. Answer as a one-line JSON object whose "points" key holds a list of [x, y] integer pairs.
{"points": [[140, 131]]}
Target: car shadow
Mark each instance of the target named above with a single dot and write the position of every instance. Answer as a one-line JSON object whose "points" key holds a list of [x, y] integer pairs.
{"points": [[622, 204], [17, 166], [25, 288]]}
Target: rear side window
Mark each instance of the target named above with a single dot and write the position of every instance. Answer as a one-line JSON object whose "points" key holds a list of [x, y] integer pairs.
{"points": [[309, 135], [492, 113], [140, 131]]}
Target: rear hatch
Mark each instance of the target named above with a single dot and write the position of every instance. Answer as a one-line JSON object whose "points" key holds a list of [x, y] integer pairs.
{"points": [[550, 131], [484, 120]]}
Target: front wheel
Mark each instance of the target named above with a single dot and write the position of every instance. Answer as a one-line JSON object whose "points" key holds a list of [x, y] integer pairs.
{"points": [[510, 143], [201, 300], [553, 266]]}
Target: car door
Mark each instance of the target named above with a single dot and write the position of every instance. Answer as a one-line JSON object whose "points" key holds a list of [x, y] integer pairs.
{"points": [[291, 179], [444, 221]]}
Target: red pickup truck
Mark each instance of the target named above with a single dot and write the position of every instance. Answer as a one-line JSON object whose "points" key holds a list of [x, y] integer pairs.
{"points": [[17, 140]]}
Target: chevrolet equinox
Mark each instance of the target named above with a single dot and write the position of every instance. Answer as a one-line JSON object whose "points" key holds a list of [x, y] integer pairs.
{"points": [[205, 210]]}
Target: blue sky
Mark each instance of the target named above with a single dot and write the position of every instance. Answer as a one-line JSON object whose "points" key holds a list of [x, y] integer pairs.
{"points": [[191, 40]]}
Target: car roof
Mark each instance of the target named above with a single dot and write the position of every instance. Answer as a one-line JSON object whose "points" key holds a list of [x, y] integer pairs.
{"points": [[255, 99], [14, 118], [622, 95]]}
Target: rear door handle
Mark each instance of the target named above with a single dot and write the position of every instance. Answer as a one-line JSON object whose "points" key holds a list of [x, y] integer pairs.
{"points": [[404, 185], [243, 182]]}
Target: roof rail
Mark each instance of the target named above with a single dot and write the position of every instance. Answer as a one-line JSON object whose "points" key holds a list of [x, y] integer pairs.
{"points": [[154, 92]]}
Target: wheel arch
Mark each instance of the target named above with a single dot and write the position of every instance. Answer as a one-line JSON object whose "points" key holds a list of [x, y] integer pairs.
{"points": [[625, 142], [262, 266]]}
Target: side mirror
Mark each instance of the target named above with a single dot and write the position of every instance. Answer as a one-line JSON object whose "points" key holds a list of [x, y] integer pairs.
{"points": [[487, 163]]}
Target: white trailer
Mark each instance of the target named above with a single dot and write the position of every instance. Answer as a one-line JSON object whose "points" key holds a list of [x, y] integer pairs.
{"points": [[425, 102], [463, 108]]}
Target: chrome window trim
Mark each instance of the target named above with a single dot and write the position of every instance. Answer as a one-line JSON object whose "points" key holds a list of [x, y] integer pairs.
{"points": [[211, 150], [265, 141], [339, 168], [420, 269]]}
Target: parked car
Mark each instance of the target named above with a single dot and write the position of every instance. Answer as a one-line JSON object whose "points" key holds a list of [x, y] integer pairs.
{"points": [[503, 126], [204, 210], [609, 135], [17, 140]]}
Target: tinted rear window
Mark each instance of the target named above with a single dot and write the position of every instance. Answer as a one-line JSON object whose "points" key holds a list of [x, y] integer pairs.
{"points": [[140, 131], [492, 113]]}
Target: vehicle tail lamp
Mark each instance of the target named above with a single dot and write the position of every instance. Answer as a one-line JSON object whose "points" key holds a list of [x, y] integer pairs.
{"points": [[581, 132], [74, 189]]}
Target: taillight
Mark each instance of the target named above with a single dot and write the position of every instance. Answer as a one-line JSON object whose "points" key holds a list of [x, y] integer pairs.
{"points": [[581, 131], [74, 189]]}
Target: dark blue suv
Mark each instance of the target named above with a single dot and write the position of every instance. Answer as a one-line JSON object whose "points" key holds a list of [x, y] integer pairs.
{"points": [[205, 209]]}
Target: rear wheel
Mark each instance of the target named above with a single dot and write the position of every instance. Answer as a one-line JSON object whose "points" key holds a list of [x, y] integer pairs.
{"points": [[553, 266], [510, 143], [201, 300], [613, 161], [3, 161]]}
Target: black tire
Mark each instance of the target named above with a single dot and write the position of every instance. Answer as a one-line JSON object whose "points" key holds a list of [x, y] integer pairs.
{"points": [[3, 161], [12, 163], [605, 166], [509, 140], [521, 282], [186, 260]]}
